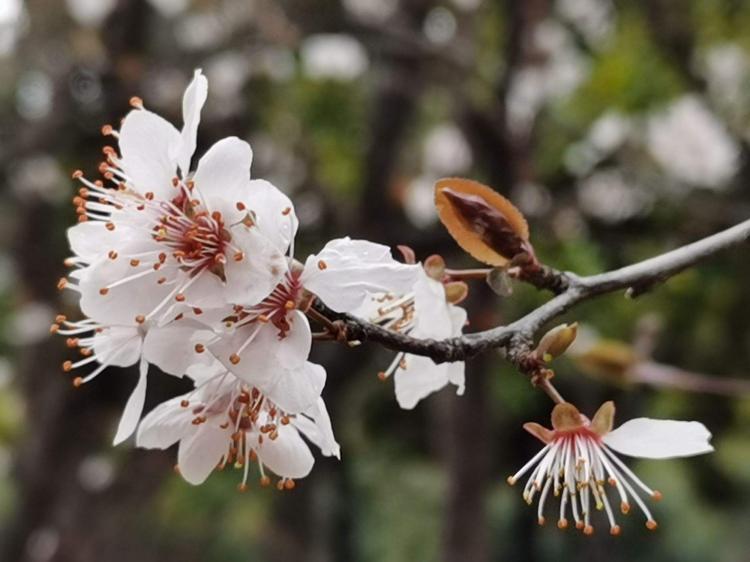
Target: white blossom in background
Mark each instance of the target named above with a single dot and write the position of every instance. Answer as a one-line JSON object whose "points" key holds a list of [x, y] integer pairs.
{"points": [[562, 69], [440, 25], [369, 11], [726, 67], [13, 24], [419, 201], [445, 153], [605, 136], [533, 199], [39, 177], [198, 31], [578, 461], [227, 73], [34, 93], [467, 5], [595, 19], [89, 12], [30, 323], [333, 56], [610, 196], [169, 8], [692, 145]]}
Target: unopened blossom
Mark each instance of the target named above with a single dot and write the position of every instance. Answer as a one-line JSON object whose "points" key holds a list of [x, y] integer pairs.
{"points": [[579, 467], [267, 345], [426, 310], [225, 422], [156, 239]]}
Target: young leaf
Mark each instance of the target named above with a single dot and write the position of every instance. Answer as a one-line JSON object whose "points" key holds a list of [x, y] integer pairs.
{"points": [[483, 222]]}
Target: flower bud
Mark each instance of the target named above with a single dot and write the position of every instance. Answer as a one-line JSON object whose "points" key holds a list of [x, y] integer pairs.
{"points": [[555, 342], [607, 358], [434, 267], [456, 292]]}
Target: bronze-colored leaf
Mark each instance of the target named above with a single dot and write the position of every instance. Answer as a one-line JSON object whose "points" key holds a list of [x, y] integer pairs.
{"points": [[483, 222]]}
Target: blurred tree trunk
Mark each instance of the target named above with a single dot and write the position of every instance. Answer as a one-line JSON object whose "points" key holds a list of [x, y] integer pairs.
{"points": [[463, 424]]}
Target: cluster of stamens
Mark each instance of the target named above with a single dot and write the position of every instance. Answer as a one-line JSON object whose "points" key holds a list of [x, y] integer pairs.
{"points": [[190, 238], [253, 419], [575, 466], [394, 313], [80, 336], [287, 296]]}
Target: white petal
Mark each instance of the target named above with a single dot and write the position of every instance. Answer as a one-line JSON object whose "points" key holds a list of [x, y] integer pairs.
{"points": [[287, 455], [202, 450], [133, 408], [124, 302], [147, 143], [202, 373], [659, 439], [165, 425], [172, 347], [433, 319], [205, 292], [253, 278], [346, 271], [91, 240], [421, 378], [119, 346], [192, 103], [456, 376], [223, 177], [274, 213], [264, 359], [458, 319], [295, 390], [315, 424]]}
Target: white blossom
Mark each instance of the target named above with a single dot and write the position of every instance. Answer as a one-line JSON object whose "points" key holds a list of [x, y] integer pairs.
{"points": [[225, 422], [422, 312], [579, 459], [267, 345]]}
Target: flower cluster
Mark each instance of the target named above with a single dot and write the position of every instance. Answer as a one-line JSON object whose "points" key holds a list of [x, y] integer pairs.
{"points": [[194, 272]]}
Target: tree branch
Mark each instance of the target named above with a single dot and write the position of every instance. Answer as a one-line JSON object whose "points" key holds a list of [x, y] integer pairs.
{"points": [[636, 278]]}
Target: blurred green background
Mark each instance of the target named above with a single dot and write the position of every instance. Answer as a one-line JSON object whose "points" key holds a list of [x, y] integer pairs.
{"points": [[620, 128]]}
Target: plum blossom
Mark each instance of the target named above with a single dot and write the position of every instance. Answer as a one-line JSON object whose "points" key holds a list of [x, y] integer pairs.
{"points": [[427, 310], [267, 345], [578, 458], [161, 247], [225, 422], [161, 236]]}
